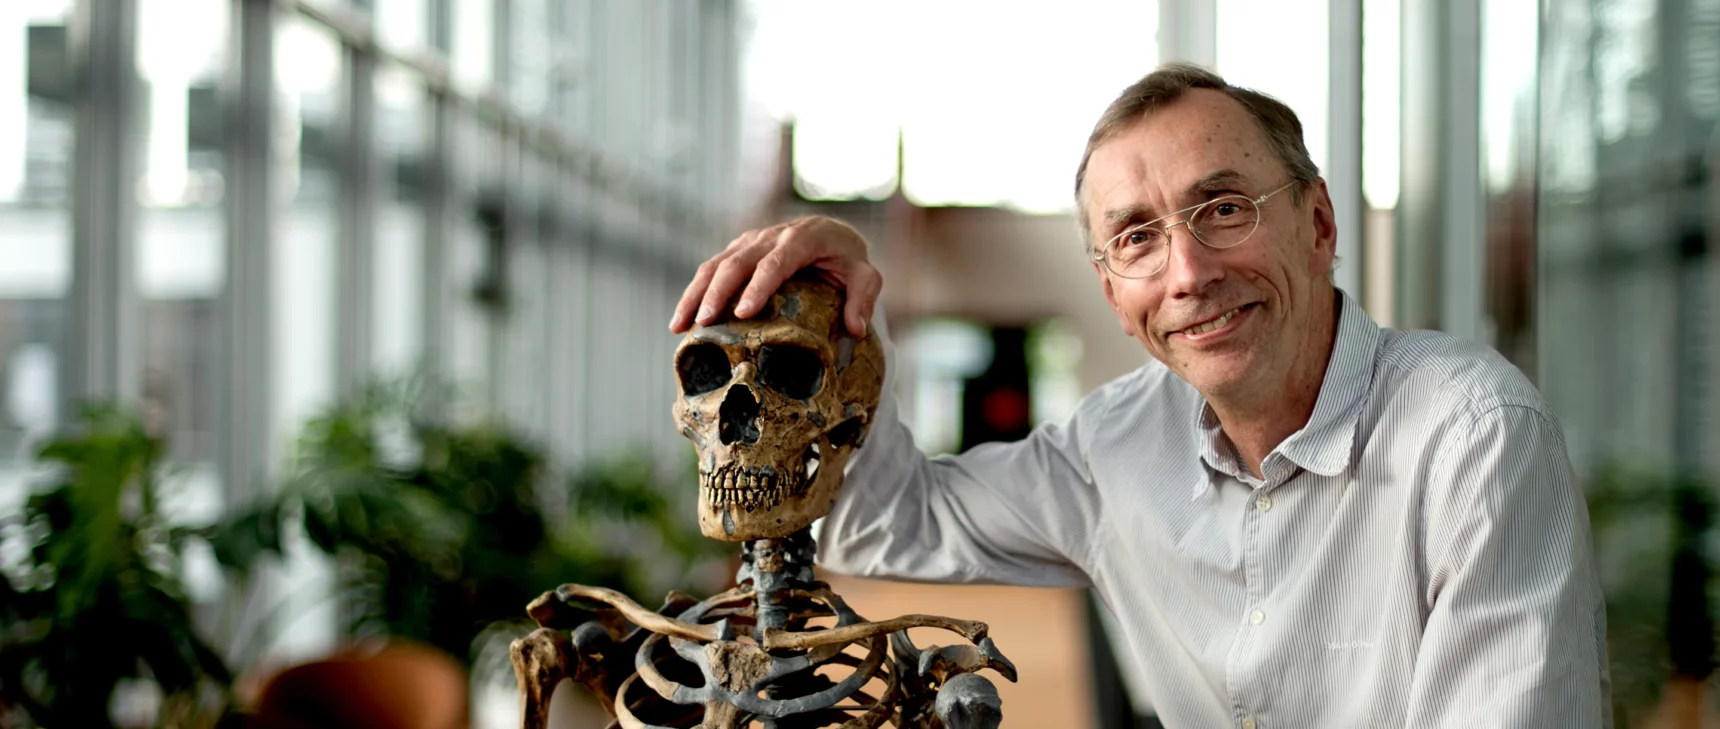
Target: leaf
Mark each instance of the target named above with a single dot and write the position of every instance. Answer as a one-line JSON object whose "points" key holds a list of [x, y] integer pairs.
{"points": [[323, 532], [241, 541]]}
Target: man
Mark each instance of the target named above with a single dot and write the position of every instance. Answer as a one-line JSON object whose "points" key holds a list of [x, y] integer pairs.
{"points": [[1300, 519]]}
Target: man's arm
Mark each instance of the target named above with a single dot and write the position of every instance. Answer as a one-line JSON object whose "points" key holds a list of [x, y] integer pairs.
{"points": [[1516, 636], [1020, 513]]}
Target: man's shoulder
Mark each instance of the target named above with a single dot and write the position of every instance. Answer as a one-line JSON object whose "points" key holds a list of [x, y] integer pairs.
{"points": [[1461, 374], [1151, 378], [1148, 392]]}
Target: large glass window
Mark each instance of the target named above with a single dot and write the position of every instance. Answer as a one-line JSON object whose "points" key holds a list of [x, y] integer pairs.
{"points": [[310, 73], [610, 411], [1627, 220], [180, 244], [472, 292], [525, 365], [35, 232], [570, 347], [402, 136]]}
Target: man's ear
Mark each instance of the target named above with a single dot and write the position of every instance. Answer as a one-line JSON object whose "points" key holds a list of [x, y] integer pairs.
{"points": [[1325, 228], [1111, 299]]}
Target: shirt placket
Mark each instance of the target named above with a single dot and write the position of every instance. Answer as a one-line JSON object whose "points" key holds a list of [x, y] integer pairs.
{"points": [[1243, 661]]}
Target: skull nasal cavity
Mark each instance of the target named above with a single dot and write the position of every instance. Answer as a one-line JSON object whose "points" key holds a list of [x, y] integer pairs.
{"points": [[738, 417]]}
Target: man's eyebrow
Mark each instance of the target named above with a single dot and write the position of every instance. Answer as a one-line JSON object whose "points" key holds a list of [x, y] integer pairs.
{"points": [[1126, 214], [1216, 182], [1219, 181]]}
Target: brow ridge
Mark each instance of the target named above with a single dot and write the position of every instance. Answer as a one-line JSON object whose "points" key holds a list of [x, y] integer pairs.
{"points": [[1213, 182]]}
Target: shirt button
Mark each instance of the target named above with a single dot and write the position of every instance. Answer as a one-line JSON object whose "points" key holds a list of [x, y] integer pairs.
{"points": [[1248, 722], [1257, 617], [1263, 502]]}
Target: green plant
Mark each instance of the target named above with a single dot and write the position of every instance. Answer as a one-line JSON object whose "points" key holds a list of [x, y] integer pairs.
{"points": [[91, 595], [1655, 537], [442, 530]]}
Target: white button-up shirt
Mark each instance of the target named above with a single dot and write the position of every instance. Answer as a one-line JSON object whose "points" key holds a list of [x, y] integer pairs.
{"points": [[1417, 556]]}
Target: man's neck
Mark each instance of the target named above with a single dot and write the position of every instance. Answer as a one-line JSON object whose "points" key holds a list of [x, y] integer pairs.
{"points": [[1257, 424]]}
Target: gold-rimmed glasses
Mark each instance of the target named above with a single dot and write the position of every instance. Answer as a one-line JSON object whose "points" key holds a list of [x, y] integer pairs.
{"points": [[1223, 222]]}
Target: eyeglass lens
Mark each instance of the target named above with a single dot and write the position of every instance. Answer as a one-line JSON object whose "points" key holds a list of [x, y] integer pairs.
{"points": [[1221, 223]]}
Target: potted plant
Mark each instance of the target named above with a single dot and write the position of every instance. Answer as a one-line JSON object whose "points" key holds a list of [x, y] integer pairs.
{"points": [[1655, 538], [442, 531], [91, 597]]}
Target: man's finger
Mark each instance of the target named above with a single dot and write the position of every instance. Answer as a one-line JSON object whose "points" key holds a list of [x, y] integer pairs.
{"points": [[730, 276], [700, 285], [791, 253], [683, 317], [864, 285]]}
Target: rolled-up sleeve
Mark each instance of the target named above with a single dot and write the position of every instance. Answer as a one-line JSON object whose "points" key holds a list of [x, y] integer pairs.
{"points": [[1019, 513], [1515, 633]]}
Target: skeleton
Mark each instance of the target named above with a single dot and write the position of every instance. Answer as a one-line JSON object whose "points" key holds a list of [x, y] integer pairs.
{"points": [[774, 405]]}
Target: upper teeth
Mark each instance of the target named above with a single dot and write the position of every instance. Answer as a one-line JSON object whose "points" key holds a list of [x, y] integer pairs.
{"points": [[1214, 324]]}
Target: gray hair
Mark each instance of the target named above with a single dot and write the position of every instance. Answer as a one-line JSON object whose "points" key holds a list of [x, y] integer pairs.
{"points": [[1167, 84]]}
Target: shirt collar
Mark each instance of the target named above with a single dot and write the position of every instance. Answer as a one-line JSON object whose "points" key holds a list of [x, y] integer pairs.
{"points": [[1326, 445]]}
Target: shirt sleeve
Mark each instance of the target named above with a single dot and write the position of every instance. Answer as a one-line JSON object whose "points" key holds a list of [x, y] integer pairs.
{"points": [[1516, 632], [1020, 513]]}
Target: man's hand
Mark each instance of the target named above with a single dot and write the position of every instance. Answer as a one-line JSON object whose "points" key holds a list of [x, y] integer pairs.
{"points": [[760, 260]]}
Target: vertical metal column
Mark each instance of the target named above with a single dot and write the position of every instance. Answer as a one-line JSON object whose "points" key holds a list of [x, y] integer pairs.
{"points": [[1344, 138], [438, 205], [499, 247], [1710, 461], [246, 368], [102, 342], [709, 105], [1686, 135], [356, 277], [1463, 216], [596, 389], [1441, 233], [247, 376], [567, 296], [726, 56]]}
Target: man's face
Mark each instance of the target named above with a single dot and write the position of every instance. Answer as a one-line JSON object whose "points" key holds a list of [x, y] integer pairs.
{"points": [[1203, 146]]}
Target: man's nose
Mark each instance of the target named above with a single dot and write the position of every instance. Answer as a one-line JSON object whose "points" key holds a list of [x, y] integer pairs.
{"points": [[1192, 266]]}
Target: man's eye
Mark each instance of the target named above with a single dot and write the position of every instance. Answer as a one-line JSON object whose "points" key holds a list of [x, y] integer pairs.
{"points": [[1226, 209], [1138, 238]]}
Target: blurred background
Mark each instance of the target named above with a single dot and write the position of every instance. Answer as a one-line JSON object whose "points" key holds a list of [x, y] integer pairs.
{"points": [[333, 331]]}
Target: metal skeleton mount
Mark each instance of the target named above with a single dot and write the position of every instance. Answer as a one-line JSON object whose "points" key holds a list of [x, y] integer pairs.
{"points": [[774, 405], [749, 655]]}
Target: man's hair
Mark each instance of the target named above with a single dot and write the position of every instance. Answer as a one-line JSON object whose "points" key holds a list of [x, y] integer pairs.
{"points": [[1167, 84]]}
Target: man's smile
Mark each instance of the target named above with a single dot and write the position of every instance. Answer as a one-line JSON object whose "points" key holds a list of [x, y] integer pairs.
{"points": [[1216, 326]]}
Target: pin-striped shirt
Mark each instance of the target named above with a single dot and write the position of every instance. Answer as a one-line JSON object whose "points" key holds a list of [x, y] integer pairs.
{"points": [[1417, 556]]}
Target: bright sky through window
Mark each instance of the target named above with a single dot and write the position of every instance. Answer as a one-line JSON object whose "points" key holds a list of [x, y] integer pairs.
{"points": [[993, 100], [1281, 48]]}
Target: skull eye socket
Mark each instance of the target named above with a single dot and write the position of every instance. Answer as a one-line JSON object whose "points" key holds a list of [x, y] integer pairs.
{"points": [[796, 372], [703, 368]]}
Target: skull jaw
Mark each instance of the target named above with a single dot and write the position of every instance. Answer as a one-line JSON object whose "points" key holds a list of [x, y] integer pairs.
{"points": [[733, 523]]}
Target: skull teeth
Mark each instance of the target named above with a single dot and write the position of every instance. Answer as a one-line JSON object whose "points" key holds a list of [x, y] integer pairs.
{"points": [[748, 488]]}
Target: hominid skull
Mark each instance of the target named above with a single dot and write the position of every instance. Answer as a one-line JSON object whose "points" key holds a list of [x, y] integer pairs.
{"points": [[774, 405]]}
